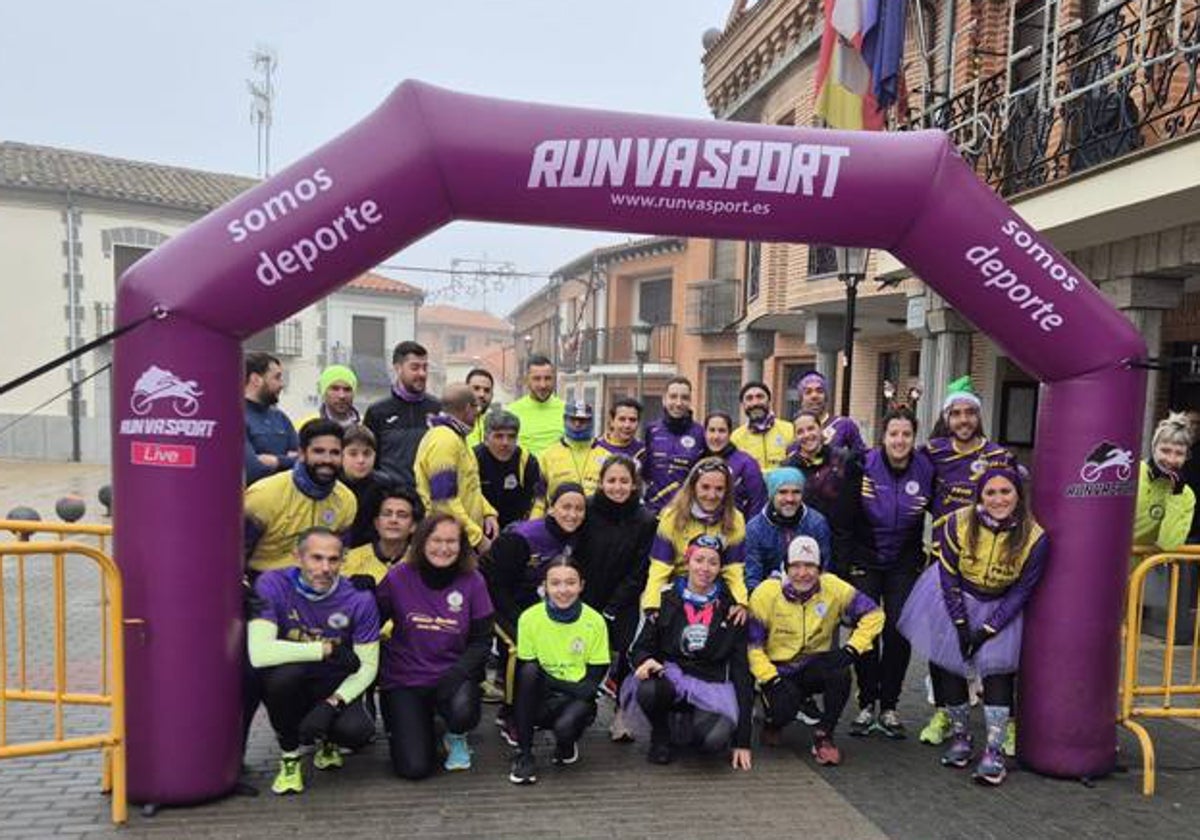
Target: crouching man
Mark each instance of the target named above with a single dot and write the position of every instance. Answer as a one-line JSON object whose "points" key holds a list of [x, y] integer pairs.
{"points": [[314, 640], [792, 645]]}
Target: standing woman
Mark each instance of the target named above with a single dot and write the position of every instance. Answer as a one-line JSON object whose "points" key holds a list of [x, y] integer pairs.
{"points": [[878, 534], [562, 656], [824, 467], [749, 489], [964, 614], [692, 674], [703, 505], [434, 660], [614, 548], [515, 569]]}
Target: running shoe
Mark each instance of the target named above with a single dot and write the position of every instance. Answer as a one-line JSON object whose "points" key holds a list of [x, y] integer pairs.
{"points": [[507, 726], [491, 692], [618, 730], [327, 756], [824, 750], [810, 712], [958, 754], [991, 769], [566, 753], [864, 722], [889, 724], [458, 754], [524, 770], [660, 753], [1010, 739], [937, 730], [289, 779]]}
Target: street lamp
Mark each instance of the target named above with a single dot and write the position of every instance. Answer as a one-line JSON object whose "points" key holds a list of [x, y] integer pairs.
{"points": [[852, 267], [528, 341], [640, 334]]}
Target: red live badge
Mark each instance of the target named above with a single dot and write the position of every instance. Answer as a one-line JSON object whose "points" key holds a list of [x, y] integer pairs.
{"points": [[163, 454]]}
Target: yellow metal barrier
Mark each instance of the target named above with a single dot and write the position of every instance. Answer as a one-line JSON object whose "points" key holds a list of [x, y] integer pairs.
{"points": [[112, 691], [1131, 691]]}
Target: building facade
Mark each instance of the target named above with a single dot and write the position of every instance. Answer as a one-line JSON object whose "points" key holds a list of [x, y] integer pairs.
{"points": [[459, 339], [71, 224], [1083, 114]]}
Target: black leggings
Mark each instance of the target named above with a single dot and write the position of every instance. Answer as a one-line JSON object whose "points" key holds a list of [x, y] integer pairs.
{"points": [[682, 724], [881, 673], [537, 707], [951, 689], [783, 700], [292, 691], [410, 713]]}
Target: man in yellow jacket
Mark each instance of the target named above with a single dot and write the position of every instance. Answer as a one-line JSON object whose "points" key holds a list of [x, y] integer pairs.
{"points": [[566, 462], [765, 438], [281, 507], [447, 473], [793, 630]]}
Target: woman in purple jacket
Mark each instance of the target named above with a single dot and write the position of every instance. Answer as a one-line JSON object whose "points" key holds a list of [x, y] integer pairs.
{"points": [[878, 536], [749, 489], [434, 660]]}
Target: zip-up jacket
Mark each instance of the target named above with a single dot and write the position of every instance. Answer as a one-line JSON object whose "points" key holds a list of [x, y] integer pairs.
{"points": [[509, 486], [749, 489], [985, 571], [602, 450], [879, 522], [565, 461], [268, 432], [767, 542], [448, 477], [824, 475], [669, 457], [670, 544], [787, 628], [398, 426], [516, 565], [614, 551], [1163, 518], [282, 506], [666, 637], [957, 472], [769, 448]]}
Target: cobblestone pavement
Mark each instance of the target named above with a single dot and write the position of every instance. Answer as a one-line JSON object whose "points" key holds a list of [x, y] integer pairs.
{"points": [[884, 788]]}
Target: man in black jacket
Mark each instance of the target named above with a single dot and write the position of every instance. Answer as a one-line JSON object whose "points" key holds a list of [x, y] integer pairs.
{"points": [[400, 421]]}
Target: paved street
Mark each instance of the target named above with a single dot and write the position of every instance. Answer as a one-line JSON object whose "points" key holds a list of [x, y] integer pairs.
{"points": [[884, 789]]}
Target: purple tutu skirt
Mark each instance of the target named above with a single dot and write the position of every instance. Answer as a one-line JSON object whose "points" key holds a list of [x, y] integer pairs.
{"points": [[926, 623], [718, 698]]}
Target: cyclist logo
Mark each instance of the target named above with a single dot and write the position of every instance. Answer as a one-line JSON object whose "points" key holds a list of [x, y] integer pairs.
{"points": [[1107, 456], [158, 384]]}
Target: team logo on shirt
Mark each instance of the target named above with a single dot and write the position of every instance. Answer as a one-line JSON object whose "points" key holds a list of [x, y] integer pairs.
{"points": [[1156, 512], [328, 516], [821, 608], [687, 441], [912, 488], [338, 621], [978, 467], [577, 645], [454, 600], [510, 481]]}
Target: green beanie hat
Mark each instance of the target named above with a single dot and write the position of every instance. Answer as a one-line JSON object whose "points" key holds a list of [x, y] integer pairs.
{"points": [[960, 390], [335, 373]]}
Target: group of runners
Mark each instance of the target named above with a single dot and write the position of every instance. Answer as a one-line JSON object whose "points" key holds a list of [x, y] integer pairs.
{"points": [[414, 561]]}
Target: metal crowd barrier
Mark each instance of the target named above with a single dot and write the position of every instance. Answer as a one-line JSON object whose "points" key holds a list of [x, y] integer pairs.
{"points": [[1145, 700], [111, 691]]}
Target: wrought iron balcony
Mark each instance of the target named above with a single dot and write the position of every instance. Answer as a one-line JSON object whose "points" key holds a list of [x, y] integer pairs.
{"points": [[711, 306], [1122, 81]]}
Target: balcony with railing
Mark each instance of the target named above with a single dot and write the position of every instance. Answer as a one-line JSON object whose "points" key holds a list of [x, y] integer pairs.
{"points": [[1119, 82], [614, 346], [711, 306]]}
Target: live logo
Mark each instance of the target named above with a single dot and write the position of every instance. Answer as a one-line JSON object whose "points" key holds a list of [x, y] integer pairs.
{"points": [[162, 454]]}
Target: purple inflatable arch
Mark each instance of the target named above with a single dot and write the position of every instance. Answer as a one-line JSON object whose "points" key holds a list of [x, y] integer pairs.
{"points": [[428, 156]]}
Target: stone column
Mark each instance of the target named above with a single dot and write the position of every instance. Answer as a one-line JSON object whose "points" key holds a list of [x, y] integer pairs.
{"points": [[825, 334], [1143, 300], [754, 346]]}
